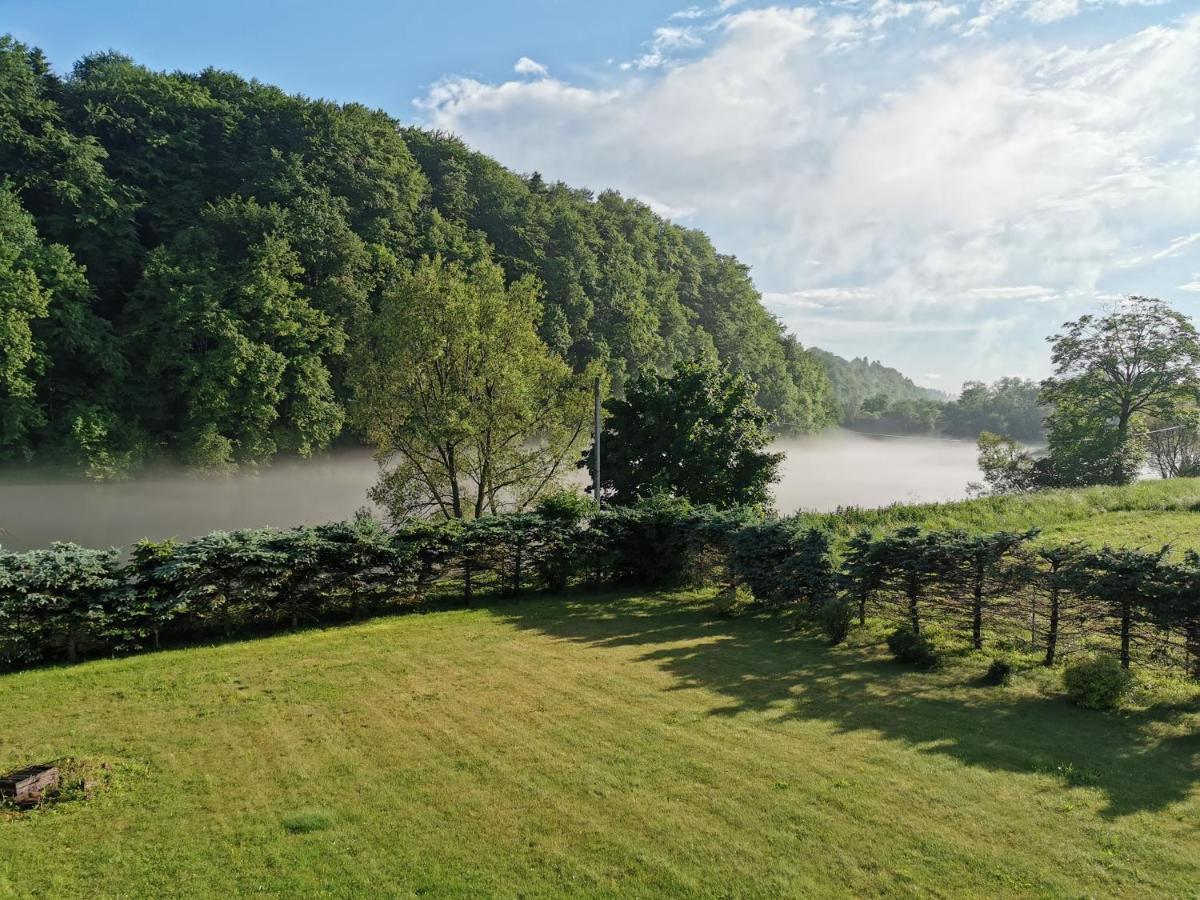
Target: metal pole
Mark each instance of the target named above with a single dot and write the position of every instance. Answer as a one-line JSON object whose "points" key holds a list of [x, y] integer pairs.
{"points": [[596, 446]]}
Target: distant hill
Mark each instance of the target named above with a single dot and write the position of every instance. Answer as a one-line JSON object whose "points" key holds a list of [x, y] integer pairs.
{"points": [[854, 380]]}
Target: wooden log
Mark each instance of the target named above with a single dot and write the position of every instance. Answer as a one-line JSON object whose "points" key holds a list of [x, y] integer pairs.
{"points": [[27, 786]]}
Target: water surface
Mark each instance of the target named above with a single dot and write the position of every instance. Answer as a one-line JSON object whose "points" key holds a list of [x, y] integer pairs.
{"points": [[839, 468]]}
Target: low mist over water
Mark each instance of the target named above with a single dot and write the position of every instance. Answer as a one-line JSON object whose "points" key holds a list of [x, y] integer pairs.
{"points": [[845, 468], [838, 468], [35, 512]]}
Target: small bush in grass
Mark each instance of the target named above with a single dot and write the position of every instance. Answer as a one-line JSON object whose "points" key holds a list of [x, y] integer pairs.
{"points": [[908, 646], [1097, 683], [834, 618], [732, 600], [999, 672]]}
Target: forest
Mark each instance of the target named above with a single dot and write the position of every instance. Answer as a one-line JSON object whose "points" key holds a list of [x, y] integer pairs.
{"points": [[188, 263]]}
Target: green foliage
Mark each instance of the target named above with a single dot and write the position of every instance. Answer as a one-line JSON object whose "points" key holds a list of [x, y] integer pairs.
{"points": [[1009, 407], [903, 416], [1097, 683], [959, 586], [697, 434], [1000, 672], [834, 619], [911, 647], [732, 600], [783, 562], [1142, 358], [1007, 467], [857, 381], [467, 408], [187, 256], [65, 599]]}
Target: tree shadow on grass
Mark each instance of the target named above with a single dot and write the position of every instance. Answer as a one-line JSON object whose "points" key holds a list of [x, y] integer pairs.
{"points": [[1142, 761]]}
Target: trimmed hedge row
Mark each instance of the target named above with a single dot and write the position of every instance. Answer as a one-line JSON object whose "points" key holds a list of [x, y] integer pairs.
{"points": [[68, 601]]}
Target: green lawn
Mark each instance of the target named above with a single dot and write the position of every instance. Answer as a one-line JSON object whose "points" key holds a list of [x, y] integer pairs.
{"points": [[595, 745]]}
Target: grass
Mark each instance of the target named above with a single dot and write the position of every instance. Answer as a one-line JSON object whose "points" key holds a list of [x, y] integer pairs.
{"points": [[591, 745], [1149, 514]]}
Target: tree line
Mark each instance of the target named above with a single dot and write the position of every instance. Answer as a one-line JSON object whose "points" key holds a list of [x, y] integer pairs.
{"points": [[191, 266], [1125, 391], [993, 592]]}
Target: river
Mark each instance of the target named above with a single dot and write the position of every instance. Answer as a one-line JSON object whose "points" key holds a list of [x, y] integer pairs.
{"points": [[838, 468]]}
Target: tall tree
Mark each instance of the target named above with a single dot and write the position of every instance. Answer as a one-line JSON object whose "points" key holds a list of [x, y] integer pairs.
{"points": [[1140, 358], [697, 434], [468, 409]]}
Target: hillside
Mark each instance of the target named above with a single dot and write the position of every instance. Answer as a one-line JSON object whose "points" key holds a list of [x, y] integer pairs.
{"points": [[854, 380], [189, 260]]}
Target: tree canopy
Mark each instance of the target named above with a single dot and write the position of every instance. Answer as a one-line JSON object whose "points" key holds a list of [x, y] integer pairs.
{"points": [[697, 434], [195, 257], [1141, 358], [469, 410]]}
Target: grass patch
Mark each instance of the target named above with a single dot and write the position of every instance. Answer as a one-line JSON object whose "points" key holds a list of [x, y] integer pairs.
{"points": [[592, 745], [1146, 514]]}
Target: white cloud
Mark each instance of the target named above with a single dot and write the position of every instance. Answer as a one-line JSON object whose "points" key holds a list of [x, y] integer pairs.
{"points": [[527, 66], [924, 172], [1176, 246]]}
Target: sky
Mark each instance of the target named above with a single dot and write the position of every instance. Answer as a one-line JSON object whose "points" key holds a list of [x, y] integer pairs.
{"points": [[935, 184]]}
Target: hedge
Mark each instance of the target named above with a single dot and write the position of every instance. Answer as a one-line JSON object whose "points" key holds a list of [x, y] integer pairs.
{"points": [[68, 601]]}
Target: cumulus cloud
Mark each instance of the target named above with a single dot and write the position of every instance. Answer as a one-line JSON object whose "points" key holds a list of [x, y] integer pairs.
{"points": [[527, 66], [934, 175]]}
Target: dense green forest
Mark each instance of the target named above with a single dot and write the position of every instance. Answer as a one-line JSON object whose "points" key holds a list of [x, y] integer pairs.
{"points": [[854, 380], [187, 260]]}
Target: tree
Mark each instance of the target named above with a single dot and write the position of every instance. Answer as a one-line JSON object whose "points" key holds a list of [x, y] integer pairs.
{"points": [[469, 411], [1008, 468], [697, 434], [1008, 407], [1138, 359], [234, 356], [1173, 441]]}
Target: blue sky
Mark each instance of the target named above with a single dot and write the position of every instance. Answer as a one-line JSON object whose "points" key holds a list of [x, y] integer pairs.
{"points": [[936, 183]]}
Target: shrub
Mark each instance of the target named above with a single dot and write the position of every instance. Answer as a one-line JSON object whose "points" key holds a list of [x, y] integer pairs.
{"points": [[834, 618], [1097, 683], [908, 646], [999, 672], [732, 600]]}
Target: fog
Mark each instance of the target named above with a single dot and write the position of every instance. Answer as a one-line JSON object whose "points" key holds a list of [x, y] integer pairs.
{"points": [[844, 468], [839, 468]]}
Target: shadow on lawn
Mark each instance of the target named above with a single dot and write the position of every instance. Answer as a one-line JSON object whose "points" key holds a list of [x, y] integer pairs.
{"points": [[759, 664]]}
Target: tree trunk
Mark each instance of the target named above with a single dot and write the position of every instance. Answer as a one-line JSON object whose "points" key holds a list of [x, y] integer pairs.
{"points": [[977, 608], [518, 566], [467, 593], [1126, 627], [1052, 628], [1191, 633], [862, 610], [157, 643], [914, 616], [72, 650]]}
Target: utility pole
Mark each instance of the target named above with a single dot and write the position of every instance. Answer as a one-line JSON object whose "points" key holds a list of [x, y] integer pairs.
{"points": [[596, 446]]}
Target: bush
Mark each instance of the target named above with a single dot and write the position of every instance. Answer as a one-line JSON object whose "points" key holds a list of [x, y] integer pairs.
{"points": [[999, 672], [732, 600], [908, 646], [1097, 683], [834, 618]]}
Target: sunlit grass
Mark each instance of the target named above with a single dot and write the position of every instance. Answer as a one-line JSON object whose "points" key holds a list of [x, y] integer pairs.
{"points": [[1150, 513], [591, 745]]}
